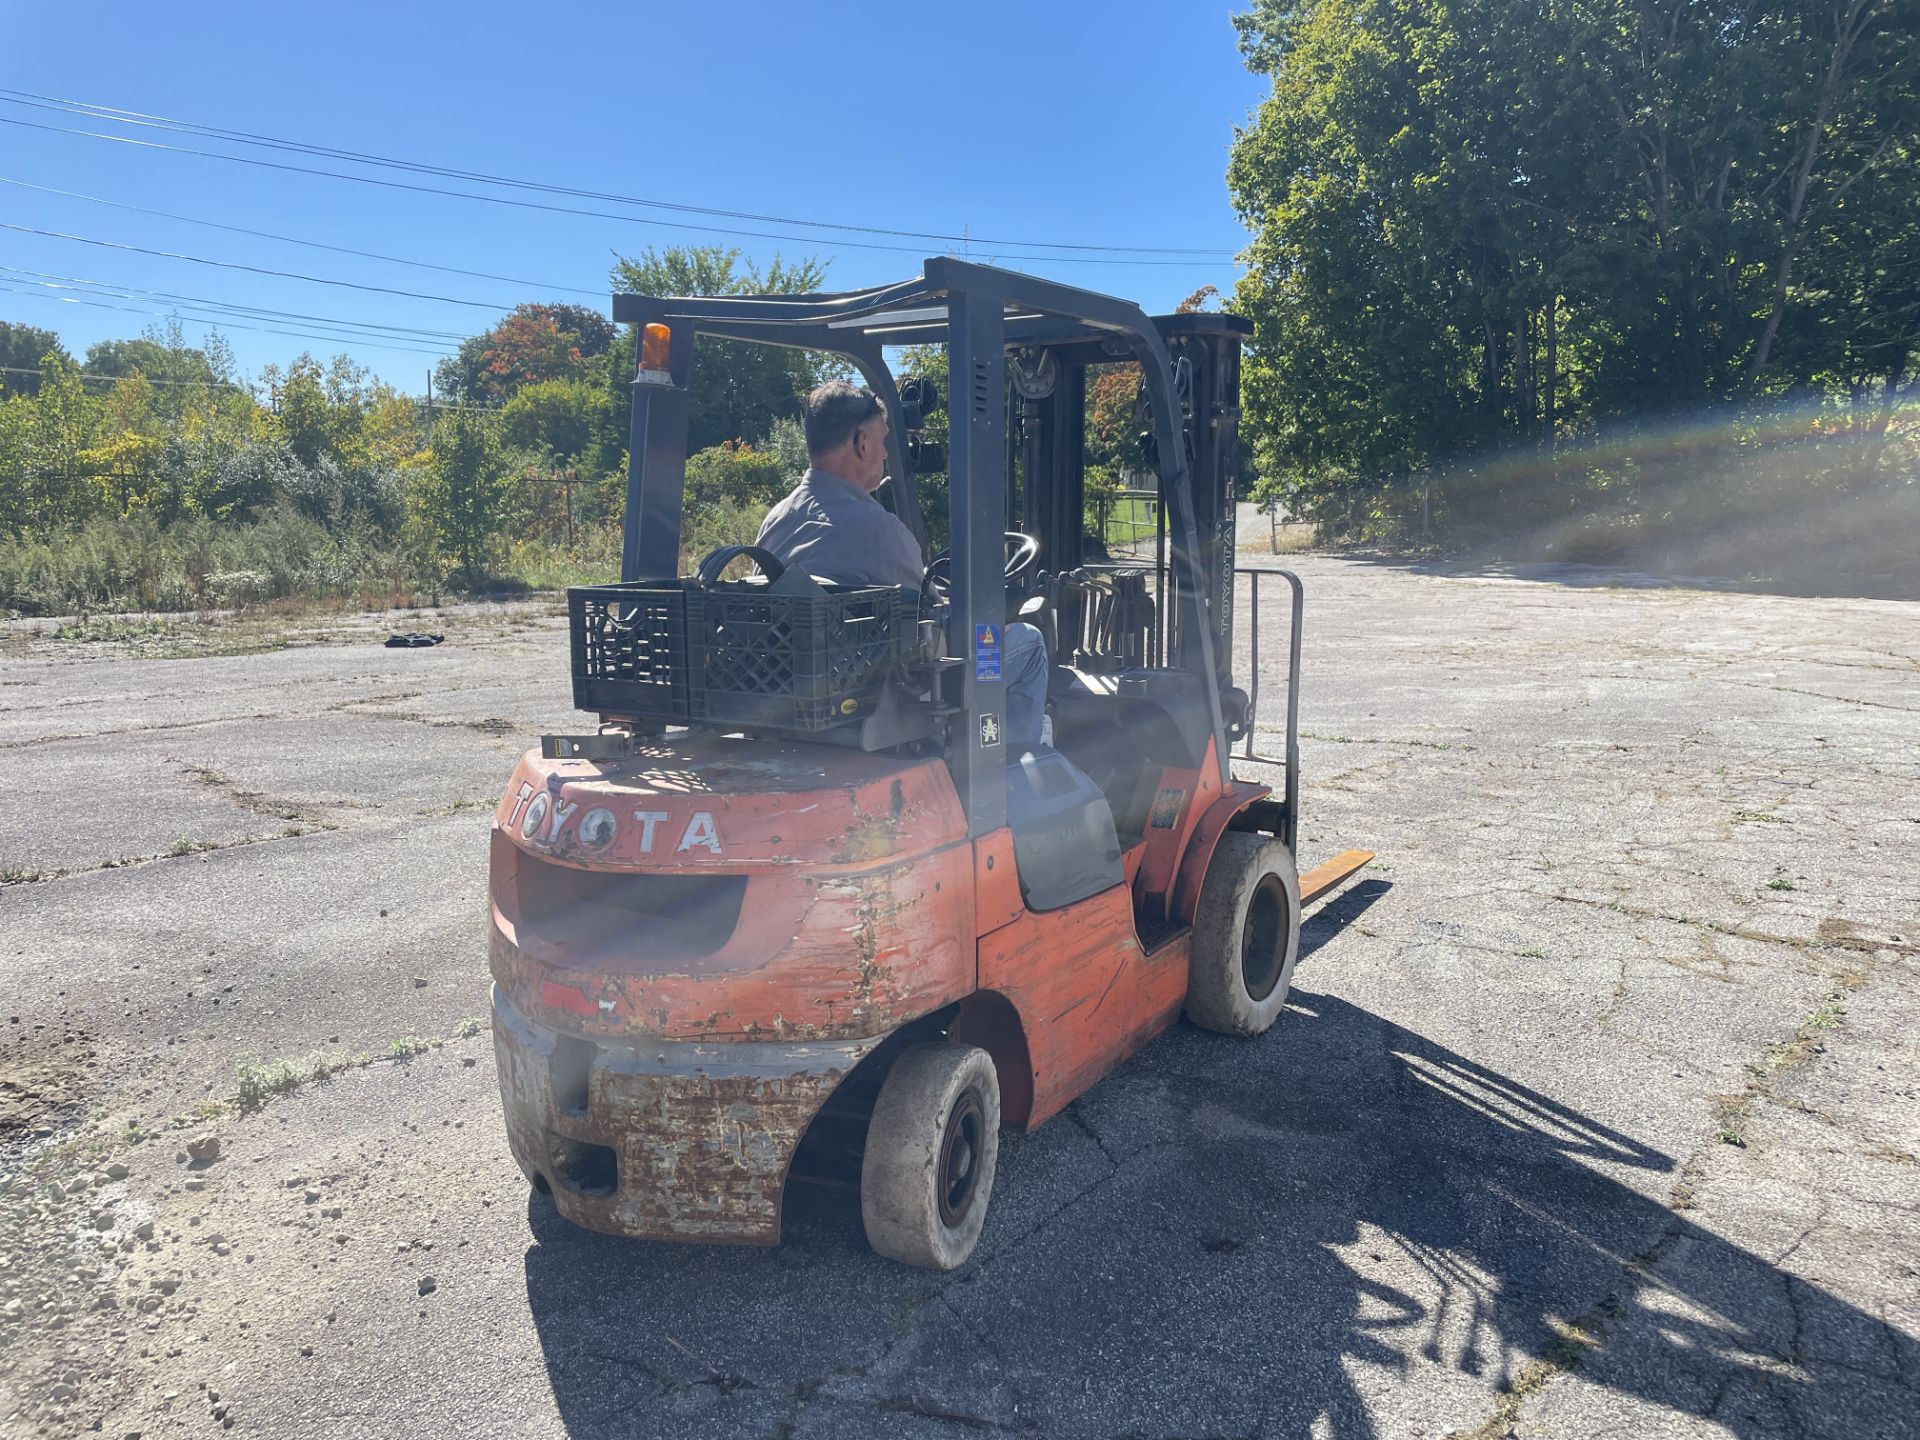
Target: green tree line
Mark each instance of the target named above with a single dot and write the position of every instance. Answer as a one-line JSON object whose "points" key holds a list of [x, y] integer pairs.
{"points": [[149, 474], [1657, 256]]}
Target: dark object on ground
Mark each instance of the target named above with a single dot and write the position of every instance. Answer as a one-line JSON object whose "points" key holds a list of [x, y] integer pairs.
{"points": [[412, 641]]}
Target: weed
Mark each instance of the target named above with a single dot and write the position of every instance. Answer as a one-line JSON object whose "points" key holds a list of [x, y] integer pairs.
{"points": [[457, 807], [1757, 817], [410, 1045], [469, 1027], [108, 629], [1800, 1045], [260, 1082], [1730, 1137], [23, 877], [1531, 954], [1779, 882]]}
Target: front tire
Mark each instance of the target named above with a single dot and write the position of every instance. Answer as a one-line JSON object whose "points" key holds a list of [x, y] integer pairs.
{"points": [[1246, 936], [931, 1149]]}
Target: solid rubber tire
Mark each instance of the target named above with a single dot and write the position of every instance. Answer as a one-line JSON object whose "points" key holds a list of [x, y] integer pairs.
{"points": [[899, 1199], [1217, 995]]}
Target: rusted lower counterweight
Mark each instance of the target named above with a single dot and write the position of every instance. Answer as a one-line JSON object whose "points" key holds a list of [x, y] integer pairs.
{"points": [[670, 1140]]}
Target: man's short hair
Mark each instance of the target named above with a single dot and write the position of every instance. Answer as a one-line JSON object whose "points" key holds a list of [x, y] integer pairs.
{"points": [[834, 411]]}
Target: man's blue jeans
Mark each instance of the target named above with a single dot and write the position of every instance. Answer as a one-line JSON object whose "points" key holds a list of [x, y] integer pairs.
{"points": [[1024, 667]]}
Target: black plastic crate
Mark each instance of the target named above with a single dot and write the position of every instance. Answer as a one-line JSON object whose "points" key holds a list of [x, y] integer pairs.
{"points": [[630, 649], [794, 661]]}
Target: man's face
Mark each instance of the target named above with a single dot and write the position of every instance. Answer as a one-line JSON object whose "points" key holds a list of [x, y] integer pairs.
{"points": [[869, 448]]}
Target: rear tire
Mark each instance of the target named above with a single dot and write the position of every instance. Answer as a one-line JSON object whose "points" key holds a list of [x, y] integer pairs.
{"points": [[932, 1145], [1246, 936]]}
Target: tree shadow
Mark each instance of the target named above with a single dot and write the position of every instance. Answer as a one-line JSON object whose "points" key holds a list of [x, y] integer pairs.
{"points": [[1809, 577], [1341, 1230]]}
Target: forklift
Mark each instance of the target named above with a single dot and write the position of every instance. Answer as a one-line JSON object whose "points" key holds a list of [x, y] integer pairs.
{"points": [[791, 911]]}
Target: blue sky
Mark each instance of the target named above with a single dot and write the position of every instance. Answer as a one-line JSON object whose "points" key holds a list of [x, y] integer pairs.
{"points": [[1105, 125]]}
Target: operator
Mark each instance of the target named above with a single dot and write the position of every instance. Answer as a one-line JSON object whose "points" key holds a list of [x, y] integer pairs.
{"points": [[832, 526]]}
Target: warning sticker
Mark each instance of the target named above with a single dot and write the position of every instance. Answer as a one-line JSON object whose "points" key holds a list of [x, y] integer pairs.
{"points": [[986, 652], [989, 729]]}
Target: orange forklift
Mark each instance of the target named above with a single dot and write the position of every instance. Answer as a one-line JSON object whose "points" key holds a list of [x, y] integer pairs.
{"points": [[792, 911]]}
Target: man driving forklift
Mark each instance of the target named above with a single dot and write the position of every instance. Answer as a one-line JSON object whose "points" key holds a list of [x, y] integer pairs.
{"points": [[833, 527]]}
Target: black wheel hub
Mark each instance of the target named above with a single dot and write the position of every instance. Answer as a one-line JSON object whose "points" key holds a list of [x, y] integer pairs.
{"points": [[1263, 939], [958, 1176]]}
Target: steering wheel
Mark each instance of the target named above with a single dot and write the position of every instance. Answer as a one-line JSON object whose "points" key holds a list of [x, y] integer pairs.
{"points": [[1023, 560]]}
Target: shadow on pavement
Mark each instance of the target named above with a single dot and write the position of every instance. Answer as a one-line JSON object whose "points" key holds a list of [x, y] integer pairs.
{"points": [[1340, 1230], [1817, 579]]}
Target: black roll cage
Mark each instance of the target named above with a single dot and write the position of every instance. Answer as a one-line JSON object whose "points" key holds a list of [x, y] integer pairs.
{"points": [[977, 312]]}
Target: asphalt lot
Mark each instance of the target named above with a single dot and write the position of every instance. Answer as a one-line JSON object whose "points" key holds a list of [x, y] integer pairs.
{"points": [[1594, 1113]]}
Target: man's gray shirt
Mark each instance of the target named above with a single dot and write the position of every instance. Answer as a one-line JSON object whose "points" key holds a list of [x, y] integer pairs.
{"points": [[837, 532]]}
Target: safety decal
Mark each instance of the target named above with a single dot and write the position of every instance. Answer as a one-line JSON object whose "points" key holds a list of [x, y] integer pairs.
{"points": [[989, 729], [986, 652], [1166, 808]]}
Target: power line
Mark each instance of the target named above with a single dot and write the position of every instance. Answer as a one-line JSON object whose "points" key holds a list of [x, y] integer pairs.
{"points": [[252, 269], [366, 344], [115, 115], [311, 244], [561, 209], [256, 312], [151, 380]]}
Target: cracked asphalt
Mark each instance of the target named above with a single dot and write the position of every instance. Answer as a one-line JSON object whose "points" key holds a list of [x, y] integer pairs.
{"points": [[1594, 1112]]}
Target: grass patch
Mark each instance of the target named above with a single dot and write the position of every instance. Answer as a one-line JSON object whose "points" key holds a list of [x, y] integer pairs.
{"points": [[261, 1081], [112, 629], [1828, 1015], [1572, 1342], [252, 800], [457, 807], [1285, 539]]}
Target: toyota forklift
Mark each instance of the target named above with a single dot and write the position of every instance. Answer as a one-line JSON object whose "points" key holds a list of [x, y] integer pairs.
{"points": [[791, 911]]}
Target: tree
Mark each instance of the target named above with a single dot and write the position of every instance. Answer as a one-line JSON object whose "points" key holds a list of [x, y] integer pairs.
{"points": [[561, 418], [533, 344], [152, 358], [339, 410], [55, 481], [464, 490], [125, 456], [22, 347], [739, 389], [1480, 227]]}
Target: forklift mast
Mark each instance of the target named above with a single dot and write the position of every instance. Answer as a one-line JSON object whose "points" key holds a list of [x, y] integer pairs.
{"points": [[1049, 387]]}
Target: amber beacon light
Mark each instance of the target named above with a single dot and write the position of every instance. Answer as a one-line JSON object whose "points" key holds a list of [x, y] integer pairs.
{"points": [[653, 369]]}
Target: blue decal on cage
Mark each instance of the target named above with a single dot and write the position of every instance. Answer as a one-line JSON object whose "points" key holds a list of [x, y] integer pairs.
{"points": [[986, 652]]}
